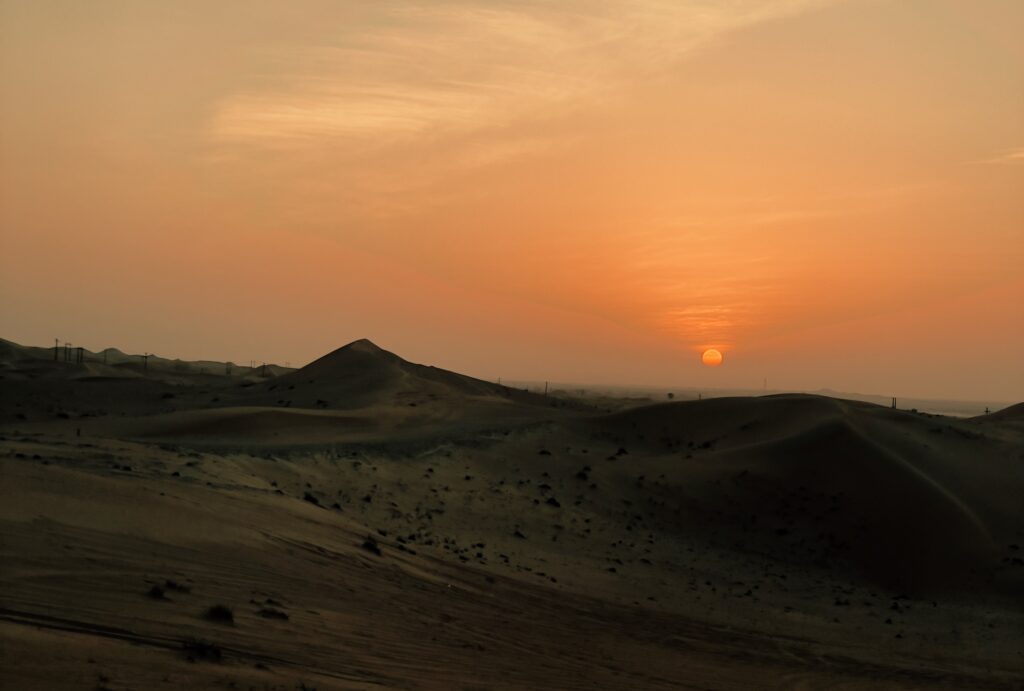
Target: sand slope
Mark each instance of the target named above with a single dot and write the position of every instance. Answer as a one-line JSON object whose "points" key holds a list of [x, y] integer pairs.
{"points": [[786, 541], [913, 502]]}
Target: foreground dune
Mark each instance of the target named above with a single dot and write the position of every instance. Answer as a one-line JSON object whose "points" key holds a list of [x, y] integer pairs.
{"points": [[489, 538]]}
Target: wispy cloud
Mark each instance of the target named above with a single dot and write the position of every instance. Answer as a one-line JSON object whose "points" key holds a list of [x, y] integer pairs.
{"points": [[414, 69], [1008, 157]]}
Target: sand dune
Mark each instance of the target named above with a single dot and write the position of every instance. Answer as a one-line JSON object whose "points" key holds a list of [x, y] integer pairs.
{"points": [[358, 393], [1011, 414], [890, 492], [490, 538], [361, 374]]}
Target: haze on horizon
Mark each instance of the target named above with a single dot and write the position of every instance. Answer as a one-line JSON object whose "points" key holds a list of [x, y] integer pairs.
{"points": [[830, 193]]}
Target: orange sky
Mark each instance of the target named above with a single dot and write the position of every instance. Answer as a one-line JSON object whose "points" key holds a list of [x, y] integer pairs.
{"points": [[830, 193]]}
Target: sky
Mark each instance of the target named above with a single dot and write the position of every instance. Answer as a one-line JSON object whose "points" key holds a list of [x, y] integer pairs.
{"points": [[831, 193]]}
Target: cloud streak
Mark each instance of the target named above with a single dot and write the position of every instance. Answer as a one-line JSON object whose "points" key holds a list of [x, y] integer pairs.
{"points": [[416, 70], [1009, 157]]}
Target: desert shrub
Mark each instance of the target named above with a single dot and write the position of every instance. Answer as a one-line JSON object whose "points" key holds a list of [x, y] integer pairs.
{"points": [[271, 613], [221, 614], [201, 650], [370, 545], [177, 587]]}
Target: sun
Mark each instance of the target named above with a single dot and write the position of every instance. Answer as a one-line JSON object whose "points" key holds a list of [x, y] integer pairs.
{"points": [[711, 357]]}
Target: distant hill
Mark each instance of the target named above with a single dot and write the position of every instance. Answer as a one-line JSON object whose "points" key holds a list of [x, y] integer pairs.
{"points": [[358, 393], [33, 362], [623, 396], [361, 374]]}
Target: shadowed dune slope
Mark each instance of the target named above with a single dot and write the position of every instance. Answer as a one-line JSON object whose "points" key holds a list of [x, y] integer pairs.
{"points": [[886, 514], [913, 502], [1013, 414]]}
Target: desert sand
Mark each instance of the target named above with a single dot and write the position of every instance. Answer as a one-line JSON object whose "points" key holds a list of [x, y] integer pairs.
{"points": [[369, 523]]}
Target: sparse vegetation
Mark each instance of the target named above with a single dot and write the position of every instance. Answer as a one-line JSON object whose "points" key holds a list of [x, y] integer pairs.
{"points": [[176, 587], [370, 545], [201, 651], [754, 539], [271, 613], [221, 614]]}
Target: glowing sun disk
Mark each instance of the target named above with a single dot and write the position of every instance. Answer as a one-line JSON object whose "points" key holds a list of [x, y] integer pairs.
{"points": [[711, 357]]}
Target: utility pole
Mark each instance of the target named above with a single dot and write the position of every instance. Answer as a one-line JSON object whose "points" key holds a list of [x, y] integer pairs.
{"points": [[145, 362], [56, 348], [894, 403], [263, 370], [67, 352], [80, 355]]}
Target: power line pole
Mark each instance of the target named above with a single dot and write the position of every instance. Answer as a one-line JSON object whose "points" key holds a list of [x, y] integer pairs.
{"points": [[145, 362], [56, 348]]}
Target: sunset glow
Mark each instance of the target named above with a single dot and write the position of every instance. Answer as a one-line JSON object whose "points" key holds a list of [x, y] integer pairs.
{"points": [[577, 191]]}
